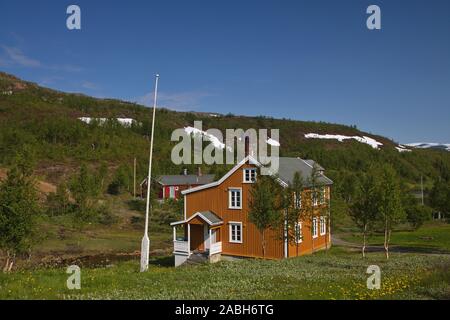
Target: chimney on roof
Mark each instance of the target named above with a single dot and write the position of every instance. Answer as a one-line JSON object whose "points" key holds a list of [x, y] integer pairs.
{"points": [[247, 145], [185, 171], [199, 172]]}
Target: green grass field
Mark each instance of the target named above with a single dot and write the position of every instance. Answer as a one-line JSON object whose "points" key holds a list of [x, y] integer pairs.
{"points": [[432, 237], [338, 274]]}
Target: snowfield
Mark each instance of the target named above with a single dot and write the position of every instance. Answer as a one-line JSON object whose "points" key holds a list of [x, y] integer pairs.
{"points": [[127, 122], [427, 145], [218, 142], [273, 142], [402, 148], [367, 140], [214, 140]]}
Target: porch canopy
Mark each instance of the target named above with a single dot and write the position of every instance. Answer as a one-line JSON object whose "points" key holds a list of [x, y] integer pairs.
{"points": [[200, 234], [207, 216]]}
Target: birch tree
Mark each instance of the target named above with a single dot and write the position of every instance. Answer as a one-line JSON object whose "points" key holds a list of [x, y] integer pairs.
{"points": [[18, 210], [390, 207], [363, 209], [312, 209], [264, 209]]}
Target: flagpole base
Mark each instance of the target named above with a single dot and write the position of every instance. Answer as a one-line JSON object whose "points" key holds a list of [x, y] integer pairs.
{"points": [[145, 251]]}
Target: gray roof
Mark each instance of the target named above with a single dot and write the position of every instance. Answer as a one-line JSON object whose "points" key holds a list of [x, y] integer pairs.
{"points": [[212, 217], [189, 179], [289, 166], [312, 163]]}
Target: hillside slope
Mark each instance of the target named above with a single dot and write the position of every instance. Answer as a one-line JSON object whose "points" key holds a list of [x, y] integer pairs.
{"points": [[47, 121]]}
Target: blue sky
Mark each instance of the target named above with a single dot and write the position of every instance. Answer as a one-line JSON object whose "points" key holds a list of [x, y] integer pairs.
{"points": [[305, 60]]}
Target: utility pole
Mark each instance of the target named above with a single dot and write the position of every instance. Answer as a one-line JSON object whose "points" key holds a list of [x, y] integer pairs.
{"points": [[134, 179], [421, 187], [145, 246]]}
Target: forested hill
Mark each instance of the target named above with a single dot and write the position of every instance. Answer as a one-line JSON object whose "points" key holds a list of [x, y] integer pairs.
{"points": [[46, 121]]}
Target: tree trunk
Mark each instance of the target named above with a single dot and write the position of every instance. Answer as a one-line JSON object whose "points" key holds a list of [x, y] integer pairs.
{"points": [[312, 237], [386, 242], [12, 263], [263, 243], [9, 262], [5, 267], [364, 241]]}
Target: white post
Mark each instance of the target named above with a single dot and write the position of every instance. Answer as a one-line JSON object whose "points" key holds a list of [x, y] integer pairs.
{"points": [[189, 239], [210, 241], [145, 246], [174, 233], [134, 178]]}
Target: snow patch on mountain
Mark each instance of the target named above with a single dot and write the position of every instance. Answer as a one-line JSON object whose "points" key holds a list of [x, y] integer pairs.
{"points": [[429, 145], [364, 139], [402, 148], [273, 142], [218, 144], [127, 122]]}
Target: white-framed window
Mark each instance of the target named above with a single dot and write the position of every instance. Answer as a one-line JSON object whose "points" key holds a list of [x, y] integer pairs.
{"points": [[322, 195], [297, 201], [172, 192], [235, 198], [298, 232], [315, 197], [323, 226], [249, 175], [314, 228], [236, 232]]}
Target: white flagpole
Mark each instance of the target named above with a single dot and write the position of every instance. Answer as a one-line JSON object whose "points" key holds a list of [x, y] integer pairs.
{"points": [[145, 247]]}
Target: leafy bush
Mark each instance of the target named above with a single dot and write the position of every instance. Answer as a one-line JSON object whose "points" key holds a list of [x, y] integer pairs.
{"points": [[418, 214]]}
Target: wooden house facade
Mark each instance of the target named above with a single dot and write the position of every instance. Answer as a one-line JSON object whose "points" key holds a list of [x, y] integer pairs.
{"points": [[216, 220]]}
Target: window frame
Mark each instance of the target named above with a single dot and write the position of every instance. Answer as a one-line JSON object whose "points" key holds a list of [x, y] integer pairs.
{"points": [[322, 195], [314, 229], [298, 230], [323, 226], [232, 224], [297, 202], [244, 177], [314, 198], [230, 198]]}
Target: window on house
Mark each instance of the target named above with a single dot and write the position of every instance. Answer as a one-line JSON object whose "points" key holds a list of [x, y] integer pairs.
{"points": [[236, 232], [235, 199], [250, 175], [172, 192], [314, 198], [322, 194], [314, 228], [323, 227], [297, 200], [298, 232]]}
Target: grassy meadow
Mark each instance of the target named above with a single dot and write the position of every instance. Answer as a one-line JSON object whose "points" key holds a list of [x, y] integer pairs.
{"points": [[431, 237], [337, 274]]}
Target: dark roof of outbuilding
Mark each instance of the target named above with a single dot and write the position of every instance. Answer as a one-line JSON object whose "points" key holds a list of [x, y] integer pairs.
{"points": [[189, 179], [180, 180]]}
